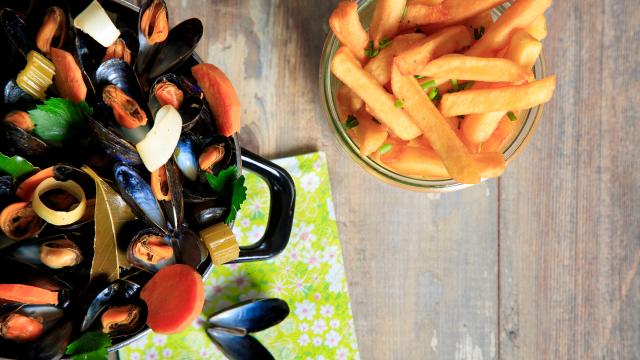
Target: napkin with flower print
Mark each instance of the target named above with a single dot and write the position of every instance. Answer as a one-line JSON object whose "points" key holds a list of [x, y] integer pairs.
{"points": [[309, 275]]}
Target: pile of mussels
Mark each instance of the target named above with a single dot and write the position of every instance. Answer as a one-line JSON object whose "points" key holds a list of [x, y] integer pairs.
{"points": [[126, 83]]}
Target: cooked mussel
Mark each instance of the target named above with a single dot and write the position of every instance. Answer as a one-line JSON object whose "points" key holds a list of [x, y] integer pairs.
{"points": [[119, 308], [59, 253], [126, 110], [154, 22], [168, 93], [178, 47], [118, 50], [151, 250], [139, 196], [166, 186], [23, 143], [19, 221], [183, 95], [53, 30], [112, 144], [229, 328], [13, 97], [27, 323], [25, 284]]}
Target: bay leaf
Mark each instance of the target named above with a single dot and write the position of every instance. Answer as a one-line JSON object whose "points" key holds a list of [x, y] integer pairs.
{"points": [[111, 213]]}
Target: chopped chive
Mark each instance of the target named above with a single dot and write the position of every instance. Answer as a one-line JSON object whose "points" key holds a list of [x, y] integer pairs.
{"points": [[351, 122], [418, 76], [454, 84], [404, 12], [478, 33], [384, 43], [399, 104], [512, 116], [468, 85], [428, 84], [370, 51], [433, 93], [385, 149]]}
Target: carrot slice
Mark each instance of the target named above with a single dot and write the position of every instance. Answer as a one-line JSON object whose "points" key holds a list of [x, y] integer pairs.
{"points": [[28, 187], [28, 294], [174, 298], [221, 97]]}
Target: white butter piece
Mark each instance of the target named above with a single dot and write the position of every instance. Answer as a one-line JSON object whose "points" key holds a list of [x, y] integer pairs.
{"points": [[158, 145], [95, 22]]}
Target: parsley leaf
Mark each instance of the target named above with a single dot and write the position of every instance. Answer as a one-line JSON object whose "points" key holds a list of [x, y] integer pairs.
{"points": [[58, 119], [384, 43], [370, 51], [15, 166], [512, 116], [399, 104], [351, 122], [90, 346], [228, 182]]}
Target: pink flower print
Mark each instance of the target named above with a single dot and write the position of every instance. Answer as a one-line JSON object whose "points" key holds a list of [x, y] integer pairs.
{"points": [[341, 354], [319, 326], [294, 255], [255, 234], [240, 281], [332, 339], [151, 355], [313, 260], [204, 353], [317, 341], [159, 340], [335, 323], [326, 310], [317, 295], [167, 353], [217, 289], [135, 356], [309, 182], [303, 339], [305, 310], [245, 222]]}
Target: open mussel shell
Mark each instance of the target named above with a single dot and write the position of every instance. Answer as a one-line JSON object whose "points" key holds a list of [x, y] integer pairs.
{"points": [[151, 38], [172, 201], [189, 248], [251, 316], [177, 90], [179, 46], [113, 144], [18, 221], [14, 98], [205, 214], [116, 295], [137, 193], [7, 187], [151, 250], [47, 322], [236, 347], [22, 143], [15, 272], [16, 39]]}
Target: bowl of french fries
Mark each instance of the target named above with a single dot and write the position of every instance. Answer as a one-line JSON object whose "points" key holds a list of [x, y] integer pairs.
{"points": [[435, 95]]}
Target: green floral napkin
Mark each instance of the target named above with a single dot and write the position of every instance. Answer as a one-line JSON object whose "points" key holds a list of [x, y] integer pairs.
{"points": [[309, 275]]}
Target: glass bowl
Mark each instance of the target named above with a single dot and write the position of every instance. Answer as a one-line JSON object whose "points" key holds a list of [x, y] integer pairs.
{"points": [[329, 85]]}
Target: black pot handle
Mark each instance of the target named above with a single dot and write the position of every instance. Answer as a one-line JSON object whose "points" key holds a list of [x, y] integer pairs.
{"points": [[283, 199]]}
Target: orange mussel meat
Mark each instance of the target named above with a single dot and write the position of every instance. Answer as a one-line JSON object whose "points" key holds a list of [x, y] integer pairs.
{"points": [[160, 184], [20, 119], [20, 328], [118, 50], [18, 221], [152, 249], [155, 23], [54, 26], [126, 110], [169, 94]]}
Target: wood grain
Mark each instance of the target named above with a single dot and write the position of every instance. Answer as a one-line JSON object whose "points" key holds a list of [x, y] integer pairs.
{"points": [[541, 264]]}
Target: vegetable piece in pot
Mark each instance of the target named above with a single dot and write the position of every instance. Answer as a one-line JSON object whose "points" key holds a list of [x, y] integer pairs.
{"points": [[53, 31], [20, 328]]}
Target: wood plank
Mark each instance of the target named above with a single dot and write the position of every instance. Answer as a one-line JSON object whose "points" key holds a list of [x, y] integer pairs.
{"points": [[569, 230], [421, 269]]}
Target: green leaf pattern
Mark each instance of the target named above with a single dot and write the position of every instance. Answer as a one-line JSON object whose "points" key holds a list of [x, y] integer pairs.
{"points": [[309, 275]]}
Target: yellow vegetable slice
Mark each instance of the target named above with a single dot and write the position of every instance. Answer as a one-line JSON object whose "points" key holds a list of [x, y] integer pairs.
{"points": [[221, 242], [37, 76], [54, 217]]}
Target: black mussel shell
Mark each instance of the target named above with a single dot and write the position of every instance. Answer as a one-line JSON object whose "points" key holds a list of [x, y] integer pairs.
{"points": [[251, 316], [206, 214], [145, 264], [15, 98], [66, 172], [179, 46], [7, 187], [14, 272], [137, 193], [147, 51], [17, 40], [113, 145], [118, 293], [236, 347], [51, 344], [193, 107], [119, 73], [186, 155], [22, 143], [189, 248], [174, 209]]}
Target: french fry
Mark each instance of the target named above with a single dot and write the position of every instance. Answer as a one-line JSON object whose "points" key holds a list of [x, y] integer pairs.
{"points": [[413, 60], [420, 14], [346, 68], [435, 128], [380, 66], [345, 24], [519, 15], [425, 163], [523, 49], [503, 132], [458, 11], [386, 20], [427, 2], [483, 20], [456, 66], [538, 28], [371, 135], [349, 99], [514, 97]]}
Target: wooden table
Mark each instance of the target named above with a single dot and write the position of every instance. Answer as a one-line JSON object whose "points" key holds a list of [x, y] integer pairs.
{"points": [[542, 263]]}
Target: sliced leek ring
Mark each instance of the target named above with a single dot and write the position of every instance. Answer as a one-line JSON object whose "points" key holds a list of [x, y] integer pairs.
{"points": [[54, 217], [158, 145]]}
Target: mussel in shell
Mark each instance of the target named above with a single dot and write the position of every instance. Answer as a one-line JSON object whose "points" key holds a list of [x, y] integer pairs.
{"points": [[126, 110], [53, 30], [151, 250], [137, 193], [20, 328], [20, 119], [178, 47], [59, 253], [112, 144], [154, 23], [211, 156], [19, 221], [125, 318], [168, 93], [183, 95], [23, 143], [118, 50]]}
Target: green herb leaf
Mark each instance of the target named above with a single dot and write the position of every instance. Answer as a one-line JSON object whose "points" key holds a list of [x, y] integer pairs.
{"points": [[418, 76], [399, 104], [15, 166], [90, 346], [57, 120], [468, 85], [454, 85], [228, 181], [433, 93], [384, 43], [238, 196], [428, 84], [478, 33], [512, 116], [404, 12], [351, 122], [370, 51], [385, 149]]}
